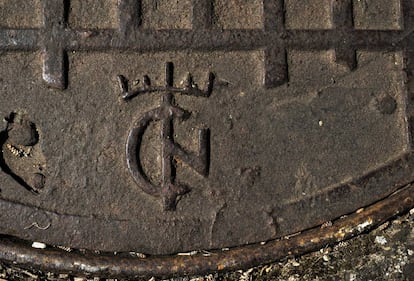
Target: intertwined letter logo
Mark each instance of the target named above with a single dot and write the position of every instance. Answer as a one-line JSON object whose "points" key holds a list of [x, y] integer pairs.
{"points": [[165, 114]]}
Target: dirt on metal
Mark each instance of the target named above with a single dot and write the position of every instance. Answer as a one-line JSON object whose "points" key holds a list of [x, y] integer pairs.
{"points": [[177, 129]]}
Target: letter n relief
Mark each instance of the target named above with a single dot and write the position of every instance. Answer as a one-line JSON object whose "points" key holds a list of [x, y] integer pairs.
{"points": [[171, 151]]}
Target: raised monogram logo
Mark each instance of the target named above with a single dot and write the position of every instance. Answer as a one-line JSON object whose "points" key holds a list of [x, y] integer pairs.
{"points": [[170, 189]]}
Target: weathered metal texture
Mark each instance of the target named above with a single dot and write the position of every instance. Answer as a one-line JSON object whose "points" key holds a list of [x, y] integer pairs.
{"points": [[166, 113], [56, 38], [300, 124], [203, 262]]}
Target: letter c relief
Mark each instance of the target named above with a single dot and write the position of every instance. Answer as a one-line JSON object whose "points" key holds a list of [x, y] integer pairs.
{"points": [[171, 151]]}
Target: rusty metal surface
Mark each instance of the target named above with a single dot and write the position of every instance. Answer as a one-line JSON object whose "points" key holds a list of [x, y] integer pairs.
{"points": [[249, 124], [204, 262]]}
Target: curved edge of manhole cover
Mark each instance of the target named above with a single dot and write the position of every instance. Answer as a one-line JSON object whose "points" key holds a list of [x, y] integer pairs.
{"points": [[202, 262]]}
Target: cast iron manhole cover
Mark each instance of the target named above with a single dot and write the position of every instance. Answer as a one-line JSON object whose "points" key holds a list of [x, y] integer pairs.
{"points": [[232, 132]]}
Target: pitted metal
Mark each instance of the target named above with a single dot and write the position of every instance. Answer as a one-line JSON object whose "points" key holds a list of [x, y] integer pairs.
{"points": [[255, 150], [56, 37]]}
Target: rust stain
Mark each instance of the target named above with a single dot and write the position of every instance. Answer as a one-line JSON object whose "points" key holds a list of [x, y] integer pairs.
{"points": [[244, 256]]}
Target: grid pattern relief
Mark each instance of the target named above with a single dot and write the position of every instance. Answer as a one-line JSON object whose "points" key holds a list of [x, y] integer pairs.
{"points": [[55, 37]]}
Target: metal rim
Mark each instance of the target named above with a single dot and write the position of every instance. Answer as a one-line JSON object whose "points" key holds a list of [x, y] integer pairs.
{"points": [[114, 265]]}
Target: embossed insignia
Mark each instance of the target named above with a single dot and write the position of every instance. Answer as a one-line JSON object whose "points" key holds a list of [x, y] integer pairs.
{"points": [[171, 151], [311, 118]]}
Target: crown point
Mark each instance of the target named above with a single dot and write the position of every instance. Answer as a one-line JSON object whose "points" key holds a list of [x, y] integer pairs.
{"points": [[188, 81], [147, 81]]}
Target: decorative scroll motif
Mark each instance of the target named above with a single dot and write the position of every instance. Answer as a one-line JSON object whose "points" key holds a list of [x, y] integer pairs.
{"points": [[20, 153], [171, 151]]}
